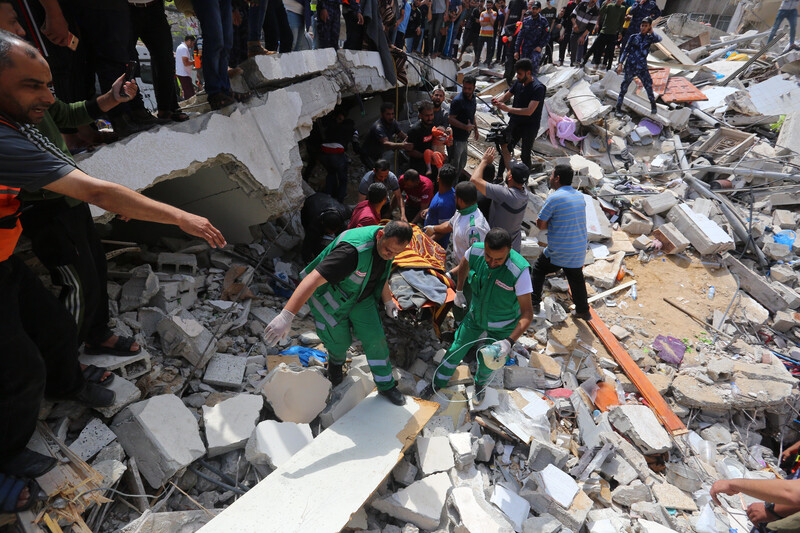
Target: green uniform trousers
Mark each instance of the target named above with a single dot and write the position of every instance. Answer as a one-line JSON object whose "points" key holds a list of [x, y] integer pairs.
{"points": [[367, 327], [468, 332]]}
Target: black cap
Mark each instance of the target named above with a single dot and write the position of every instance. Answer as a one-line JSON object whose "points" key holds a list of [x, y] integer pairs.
{"points": [[537, 5], [519, 172], [647, 20]]}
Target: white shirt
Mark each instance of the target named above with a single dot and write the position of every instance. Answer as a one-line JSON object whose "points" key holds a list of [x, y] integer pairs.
{"points": [[467, 230], [523, 286], [180, 53]]}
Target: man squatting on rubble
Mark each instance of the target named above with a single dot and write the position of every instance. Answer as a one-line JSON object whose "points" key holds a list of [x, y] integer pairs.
{"points": [[40, 339], [634, 62], [500, 306], [343, 285]]}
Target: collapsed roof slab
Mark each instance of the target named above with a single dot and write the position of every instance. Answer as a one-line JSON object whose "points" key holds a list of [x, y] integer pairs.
{"points": [[323, 484], [254, 143]]}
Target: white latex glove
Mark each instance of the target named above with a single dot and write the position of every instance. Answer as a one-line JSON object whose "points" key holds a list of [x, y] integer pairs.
{"points": [[460, 300], [504, 345], [391, 308], [278, 329]]}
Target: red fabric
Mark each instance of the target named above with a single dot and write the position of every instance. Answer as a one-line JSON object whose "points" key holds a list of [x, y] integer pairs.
{"points": [[419, 196], [363, 215]]}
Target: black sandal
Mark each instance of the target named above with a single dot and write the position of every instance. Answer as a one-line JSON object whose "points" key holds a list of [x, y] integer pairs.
{"points": [[10, 490], [94, 395], [122, 348], [94, 374]]}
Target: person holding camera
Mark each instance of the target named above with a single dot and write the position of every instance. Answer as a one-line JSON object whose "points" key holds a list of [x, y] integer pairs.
{"points": [[525, 114]]}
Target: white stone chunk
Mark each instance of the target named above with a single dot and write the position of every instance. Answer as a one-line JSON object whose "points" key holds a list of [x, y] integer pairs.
{"points": [[559, 485], [513, 506], [225, 370], [231, 422], [462, 448], [161, 434], [125, 394], [273, 443], [296, 395], [638, 423], [420, 503], [434, 455], [472, 511]]}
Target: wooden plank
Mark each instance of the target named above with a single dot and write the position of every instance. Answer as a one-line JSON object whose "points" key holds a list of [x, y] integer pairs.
{"points": [[331, 478], [656, 402]]}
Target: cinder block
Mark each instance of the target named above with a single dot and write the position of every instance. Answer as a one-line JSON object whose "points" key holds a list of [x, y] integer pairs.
{"points": [[672, 241], [659, 203], [225, 370]]}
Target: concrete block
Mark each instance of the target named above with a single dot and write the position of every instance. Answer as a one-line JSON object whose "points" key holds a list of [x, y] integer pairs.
{"points": [[604, 272], [471, 512], [149, 318], [790, 296], [619, 332], [633, 224], [434, 454], [587, 107], [461, 443], [405, 473], [230, 423], [125, 394], [352, 390], [542, 454], [705, 235], [183, 336], [296, 395], [627, 495], [420, 503], [137, 291], [783, 274], [672, 240], [273, 443], [784, 218], [127, 366], [755, 285], [619, 470], [672, 497], [784, 321], [572, 518], [177, 263], [627, 452], [642, 242], [659, 203], [638, 423], [111, 470], [776, 250], [92, 438], [553, 310], [161, 434], [225, 370], [513, 506], [545, 523], [557, 485], [484, 448]]}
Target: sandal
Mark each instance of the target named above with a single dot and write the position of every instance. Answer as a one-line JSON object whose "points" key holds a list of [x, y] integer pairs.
{"points": [[94, 395], [10, 491], [95, 374], [122, 347], [27, 463]]}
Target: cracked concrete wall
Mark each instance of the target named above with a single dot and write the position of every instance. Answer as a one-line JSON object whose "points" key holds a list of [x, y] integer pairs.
{"points": [[253, 146]]}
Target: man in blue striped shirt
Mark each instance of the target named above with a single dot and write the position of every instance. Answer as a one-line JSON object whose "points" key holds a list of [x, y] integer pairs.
{"points": [[563, 215]]}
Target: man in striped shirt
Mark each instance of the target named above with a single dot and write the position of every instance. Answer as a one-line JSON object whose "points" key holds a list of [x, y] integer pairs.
{"points": [[563, 215]]}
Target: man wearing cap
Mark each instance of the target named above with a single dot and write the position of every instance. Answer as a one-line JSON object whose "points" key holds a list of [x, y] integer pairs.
{"points": [[634, 61], [509, 201], [525, 115], [636, 14], [533, 37], [563, 215]]}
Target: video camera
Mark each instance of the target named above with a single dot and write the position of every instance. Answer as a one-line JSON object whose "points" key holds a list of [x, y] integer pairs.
{"points": [[497, 134]]}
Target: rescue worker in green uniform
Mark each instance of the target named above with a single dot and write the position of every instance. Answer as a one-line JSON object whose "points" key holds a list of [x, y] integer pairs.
{"points": [[500, 306], [342, 286]]}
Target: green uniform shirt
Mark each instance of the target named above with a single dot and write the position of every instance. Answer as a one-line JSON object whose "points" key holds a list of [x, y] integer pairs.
{"points": [[612, 16]]}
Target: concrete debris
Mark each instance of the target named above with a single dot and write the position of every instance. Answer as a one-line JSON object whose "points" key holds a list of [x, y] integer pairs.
{"points": [[230, 423], [182, 335], [421, 503], [434, 454], [467, 510], [273, 443], [295, 395], [226, 371], [162, 434], [515, 508], [94, 437], [638, 423]]}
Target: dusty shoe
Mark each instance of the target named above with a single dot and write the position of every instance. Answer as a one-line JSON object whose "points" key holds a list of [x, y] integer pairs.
{"points": [[583, 315], [393, 395], [335, 373], [653, 109], [220, 100], [254, 48], [427, 392], [480, 395], [618, 112]]}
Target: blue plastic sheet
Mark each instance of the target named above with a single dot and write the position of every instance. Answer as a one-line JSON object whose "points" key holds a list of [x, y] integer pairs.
{"points": [[304, 354]]}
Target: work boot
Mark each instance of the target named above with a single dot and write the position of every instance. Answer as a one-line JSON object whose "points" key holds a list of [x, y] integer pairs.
{"points": [[618, 112], [335, 373], [653, 109], [28, 464], [537, 310], [393, 395], [480, 395], [427, 393], [583, 315]]}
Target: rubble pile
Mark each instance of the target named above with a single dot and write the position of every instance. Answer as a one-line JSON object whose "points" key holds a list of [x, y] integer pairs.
{"points": [[686, 375]]}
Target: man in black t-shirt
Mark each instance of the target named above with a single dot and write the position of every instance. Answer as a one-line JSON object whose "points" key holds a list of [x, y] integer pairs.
{"points": [[421, 138], [380, 142], [524, 116]]}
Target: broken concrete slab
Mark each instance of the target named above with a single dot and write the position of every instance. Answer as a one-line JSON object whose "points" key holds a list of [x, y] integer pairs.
{"points": [[405, 473], [92, 438], [471, 512], [296, 395], [755, 285], [161, 434], [659, 203], [125, 393], [705, 235], [587, 107], [672, 497], [171, 522], [672, 241], [572, 518], [362, 447], [434, 454], [639, 423], [274, 443], [627, 495], [139, 289], [461, 443], [541, 454], [182, 335], [420, 503], [127, 366], [557, 485], [515, 508], [225, 370], [352, 390], [230, 423]]}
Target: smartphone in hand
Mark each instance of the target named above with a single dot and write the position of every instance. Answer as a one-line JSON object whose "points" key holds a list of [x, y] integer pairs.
{"points": [[129, 73]]}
